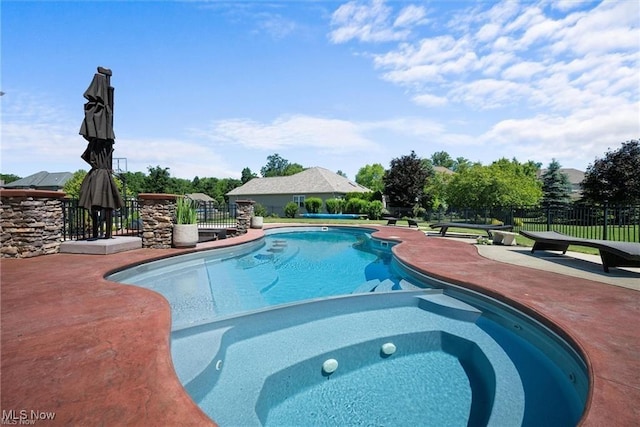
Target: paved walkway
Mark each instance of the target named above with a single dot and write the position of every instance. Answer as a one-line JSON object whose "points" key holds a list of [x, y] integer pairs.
{"points": [[97, 353], [574, 264]]}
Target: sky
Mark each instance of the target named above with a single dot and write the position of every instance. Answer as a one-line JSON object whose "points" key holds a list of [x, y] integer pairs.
{"points": [[208, 88]]}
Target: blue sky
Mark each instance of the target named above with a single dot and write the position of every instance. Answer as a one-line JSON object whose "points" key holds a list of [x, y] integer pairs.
{"points": [[209, 88]]}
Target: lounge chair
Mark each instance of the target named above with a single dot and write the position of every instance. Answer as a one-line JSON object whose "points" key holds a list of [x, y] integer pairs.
{"points": [[612, 254], [488, 228]]}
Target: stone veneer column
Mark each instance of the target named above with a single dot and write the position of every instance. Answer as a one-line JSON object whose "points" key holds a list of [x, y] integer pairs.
{"points": [[31, 222], [244, 212], [157, 212]]}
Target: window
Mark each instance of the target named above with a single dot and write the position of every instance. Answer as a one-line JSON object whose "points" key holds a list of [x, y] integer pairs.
{"points": [[299, 200]]}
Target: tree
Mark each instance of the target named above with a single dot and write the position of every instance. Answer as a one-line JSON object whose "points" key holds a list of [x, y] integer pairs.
{"points": [[247, 175], [158, 180], [9, 177], [556, 188], [503, 183], [405, 180], [371, 176], [442, 158], [134, 183], [615, 178], [277, 166], [72, 186], [342, 174]]}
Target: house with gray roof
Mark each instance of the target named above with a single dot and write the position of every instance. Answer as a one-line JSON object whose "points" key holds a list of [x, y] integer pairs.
{"points": [[275, 192], [42, 180]]}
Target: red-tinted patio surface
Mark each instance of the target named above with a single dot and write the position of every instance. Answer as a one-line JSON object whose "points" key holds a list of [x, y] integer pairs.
{"points": [[97, 353]]}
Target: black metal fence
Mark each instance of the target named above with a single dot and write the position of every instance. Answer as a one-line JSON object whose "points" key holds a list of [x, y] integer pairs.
{"points": [[126, 221], [618, 223], [78, 223], [214, 215]]}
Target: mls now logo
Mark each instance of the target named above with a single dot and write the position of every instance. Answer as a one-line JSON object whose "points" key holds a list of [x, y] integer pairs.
{"points": [[25, 417]]}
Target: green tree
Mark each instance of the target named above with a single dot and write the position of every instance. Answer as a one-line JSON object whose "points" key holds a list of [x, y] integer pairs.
{"points": [[442, 158], [277, 166], [460, 163], [405, 180], [9, 177], [247, 175], [72, 186], [158, 180], [342, 174], [556, 188], [436, 191], [134, 183], [371, 176], [503, 183], [614, 178]]}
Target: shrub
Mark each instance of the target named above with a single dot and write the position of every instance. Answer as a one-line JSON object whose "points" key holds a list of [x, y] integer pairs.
{"points": [[334, 206], [375, 209], [313, 204], [356, 206], [259, 210], [518, 222], [495, 221], [291, 210]]}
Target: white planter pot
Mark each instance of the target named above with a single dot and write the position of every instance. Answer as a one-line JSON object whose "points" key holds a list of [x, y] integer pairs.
{"points": [[185, 235], [256, 221]]}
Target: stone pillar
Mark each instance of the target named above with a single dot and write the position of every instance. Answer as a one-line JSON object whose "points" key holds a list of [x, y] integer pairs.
{"points": [[157, 212], [31, 222], [244, 212]]}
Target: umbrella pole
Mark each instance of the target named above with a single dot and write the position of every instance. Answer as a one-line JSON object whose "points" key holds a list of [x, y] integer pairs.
{"points": [[108, 213]]}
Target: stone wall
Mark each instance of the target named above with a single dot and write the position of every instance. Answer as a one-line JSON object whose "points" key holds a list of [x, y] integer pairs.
{"points": [[157, 212], [244, 212], [31, 222]]}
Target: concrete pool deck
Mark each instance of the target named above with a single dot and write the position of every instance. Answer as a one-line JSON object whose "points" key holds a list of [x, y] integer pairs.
{"points": [[96, 352]]}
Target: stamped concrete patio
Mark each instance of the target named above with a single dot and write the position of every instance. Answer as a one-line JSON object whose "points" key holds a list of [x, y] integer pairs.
{"points": [[96, 352]]}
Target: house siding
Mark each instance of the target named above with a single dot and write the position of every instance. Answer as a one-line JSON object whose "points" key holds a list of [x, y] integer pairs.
{"points": [[275, 203]]}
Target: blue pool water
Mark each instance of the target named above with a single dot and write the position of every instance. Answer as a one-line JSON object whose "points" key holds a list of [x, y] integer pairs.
{"points": [[241, 336]]}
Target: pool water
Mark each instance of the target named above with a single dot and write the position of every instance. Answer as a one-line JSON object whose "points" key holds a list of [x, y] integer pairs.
{"points": [[249, 351], [283, 268]]}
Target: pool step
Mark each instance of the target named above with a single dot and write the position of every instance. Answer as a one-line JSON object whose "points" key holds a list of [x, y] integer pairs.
{"points": [[367, 286], [408, 286], [449, 307], [385, 286]]}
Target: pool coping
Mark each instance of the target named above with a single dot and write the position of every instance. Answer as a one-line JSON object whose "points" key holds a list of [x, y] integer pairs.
{"points": [[97, 352]]}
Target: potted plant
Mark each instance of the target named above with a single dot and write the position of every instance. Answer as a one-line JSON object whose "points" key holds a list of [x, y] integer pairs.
{"points": [[185, 230], [257, 219]]}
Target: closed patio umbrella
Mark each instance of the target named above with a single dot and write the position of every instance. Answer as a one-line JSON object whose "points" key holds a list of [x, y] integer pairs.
{"points": [[98, 192]]}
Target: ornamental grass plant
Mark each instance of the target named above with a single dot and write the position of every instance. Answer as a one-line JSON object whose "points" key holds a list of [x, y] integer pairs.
{"points": [[186, 212]]}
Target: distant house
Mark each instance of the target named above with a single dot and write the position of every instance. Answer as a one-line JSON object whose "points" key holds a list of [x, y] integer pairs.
{"points": [[575, 177], [275, 192], [443, 170], [42, 180]]}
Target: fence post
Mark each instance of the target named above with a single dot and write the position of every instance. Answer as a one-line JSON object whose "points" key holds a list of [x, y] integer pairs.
{"points": [[605, 221], [548, 208]]}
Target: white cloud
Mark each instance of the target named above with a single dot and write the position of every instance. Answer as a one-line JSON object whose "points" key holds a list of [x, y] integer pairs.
{"points": [[374, 21], [523, 70], [410, 16], [428, 100], [297, 131], [577, 136]]}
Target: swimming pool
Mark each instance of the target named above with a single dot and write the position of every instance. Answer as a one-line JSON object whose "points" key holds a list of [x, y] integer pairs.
{"points": [[265, 364]]}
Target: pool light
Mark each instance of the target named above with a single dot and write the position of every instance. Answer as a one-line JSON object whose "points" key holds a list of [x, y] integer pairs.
{"points": [[329, 366], [388, 349]]}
